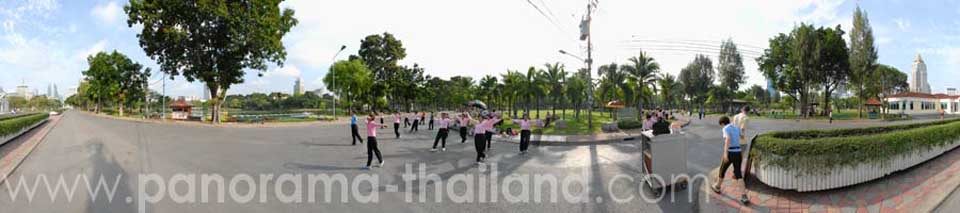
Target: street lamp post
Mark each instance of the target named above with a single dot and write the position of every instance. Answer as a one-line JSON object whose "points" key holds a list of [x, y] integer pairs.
{"points": [[333, 83], [589, 62]]}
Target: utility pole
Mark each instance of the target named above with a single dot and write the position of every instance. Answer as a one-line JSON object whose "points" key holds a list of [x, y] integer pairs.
{"points": [[585, 34], [163, 98]]}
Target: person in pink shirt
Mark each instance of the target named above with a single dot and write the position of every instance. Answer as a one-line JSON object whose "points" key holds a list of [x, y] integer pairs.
{"points": [[526, 125], [372, 148], [480, 138], [396, 123], [444, 126], [464, 121]]}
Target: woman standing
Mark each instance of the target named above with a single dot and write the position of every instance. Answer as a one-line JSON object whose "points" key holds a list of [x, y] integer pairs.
{"points": [[480, 138], [372, 148], [444, 125], [396, 123], [430, 125], [416, 123], [463, 121], [525, 127]]}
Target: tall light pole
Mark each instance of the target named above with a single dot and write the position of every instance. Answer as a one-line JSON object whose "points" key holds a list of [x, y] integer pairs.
{"points": [[588, 61], [333, 78]]}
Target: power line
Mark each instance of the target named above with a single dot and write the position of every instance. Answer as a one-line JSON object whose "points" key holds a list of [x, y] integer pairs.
{"points": [[739, 45], [552, 21], [709, 47]]}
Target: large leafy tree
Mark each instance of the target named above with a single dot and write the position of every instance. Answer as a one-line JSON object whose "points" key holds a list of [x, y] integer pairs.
{"points": [[697, 78], [212, 41], [889, 80], [381, 53], [863, 57], [834, 62], [730, 66], [804, 58], [114, 77], [353, 81], [576, 91], [642, 71]]}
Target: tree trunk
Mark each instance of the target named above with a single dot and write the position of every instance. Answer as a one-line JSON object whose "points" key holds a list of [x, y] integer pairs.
{"points": [[216, 100]]}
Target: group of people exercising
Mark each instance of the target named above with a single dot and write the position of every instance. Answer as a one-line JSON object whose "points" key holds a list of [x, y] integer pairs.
{"points": [[484, 126]]}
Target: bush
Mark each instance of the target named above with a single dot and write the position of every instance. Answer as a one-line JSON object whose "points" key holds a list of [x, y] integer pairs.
{"points": [[629, 124], [14, 125], [820, 151]]}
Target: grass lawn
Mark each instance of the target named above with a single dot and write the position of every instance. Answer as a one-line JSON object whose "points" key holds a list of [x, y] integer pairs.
{"points": [[574, 126]]}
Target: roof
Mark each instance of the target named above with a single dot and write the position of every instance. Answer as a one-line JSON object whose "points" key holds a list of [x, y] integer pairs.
{"points": [[873, 102], [180, 103], [924, 95]]}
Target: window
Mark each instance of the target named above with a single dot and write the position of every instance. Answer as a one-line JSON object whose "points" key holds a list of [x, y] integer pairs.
{"points": [[894, 106], [943, 106], [911, 105], [926, 105]]}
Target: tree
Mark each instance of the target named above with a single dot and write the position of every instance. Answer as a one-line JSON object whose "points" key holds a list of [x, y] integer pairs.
{"points": [[697, 78], [834, 62], [212, 41], [553, 77], [863, 57], [381, 54], [888, 80], [730, 66], [487, 88], [803, 57], [353, 81], [576, 91], [102, 77], [642, 71], [669, 89]]}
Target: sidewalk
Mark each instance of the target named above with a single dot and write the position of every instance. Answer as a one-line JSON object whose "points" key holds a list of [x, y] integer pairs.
{"points": [[602, 138], [16, 151], [918, 189]]}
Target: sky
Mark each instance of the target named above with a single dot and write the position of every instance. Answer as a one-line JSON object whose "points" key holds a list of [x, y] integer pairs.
{"points": [[45, 42]]}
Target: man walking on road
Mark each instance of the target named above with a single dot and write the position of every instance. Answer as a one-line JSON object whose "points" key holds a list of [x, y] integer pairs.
{"points": [[354, 134]]}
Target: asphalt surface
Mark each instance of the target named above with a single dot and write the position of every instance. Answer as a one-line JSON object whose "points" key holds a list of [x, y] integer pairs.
{"points": [[86, 145]]}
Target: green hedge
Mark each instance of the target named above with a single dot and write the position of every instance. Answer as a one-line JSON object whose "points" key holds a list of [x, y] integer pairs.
{"points": [[629, 124], [7, 117], [14, 125], [820, 151]]}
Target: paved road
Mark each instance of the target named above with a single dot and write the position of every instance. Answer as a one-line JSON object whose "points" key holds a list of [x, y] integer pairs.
{"points": [[85, 145]]}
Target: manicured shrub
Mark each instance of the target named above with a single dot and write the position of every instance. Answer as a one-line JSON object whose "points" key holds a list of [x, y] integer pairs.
{"points": [[629, 124], [14, 125], [821, 151]]}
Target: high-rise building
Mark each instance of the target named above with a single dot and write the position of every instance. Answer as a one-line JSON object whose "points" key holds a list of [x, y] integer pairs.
{"points": [[298, 87], [4, 104], [918, 77], [952, 91]]}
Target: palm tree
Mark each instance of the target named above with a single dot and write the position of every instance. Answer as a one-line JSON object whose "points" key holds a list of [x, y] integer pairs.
{"points": [[669, 88], [643, 71], [534, 87], [512, 88], [576, 91], [612, 79], [554, 76], [486, 88]]}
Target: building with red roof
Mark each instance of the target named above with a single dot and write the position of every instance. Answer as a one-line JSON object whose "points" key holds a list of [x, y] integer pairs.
{"points": [[922, 103]]}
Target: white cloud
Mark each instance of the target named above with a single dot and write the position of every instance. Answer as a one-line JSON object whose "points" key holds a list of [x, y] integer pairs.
{"points": [[902, 24], [93, 49], [108, 13], [288, 71]]}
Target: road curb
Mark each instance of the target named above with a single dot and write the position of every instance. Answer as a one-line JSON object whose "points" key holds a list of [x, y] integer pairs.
{"points": [[49, 125], [222, 125]]}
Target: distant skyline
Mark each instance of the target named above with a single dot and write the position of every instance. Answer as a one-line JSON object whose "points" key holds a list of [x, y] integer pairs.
{"points": [[47, 41]]}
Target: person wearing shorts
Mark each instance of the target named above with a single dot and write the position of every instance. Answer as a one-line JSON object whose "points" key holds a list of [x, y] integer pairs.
{"points": [[732, 157]]}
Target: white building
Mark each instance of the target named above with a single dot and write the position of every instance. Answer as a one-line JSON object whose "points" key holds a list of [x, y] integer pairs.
{"points": [[4, 104], [298, 88], [919, 100], [921, 103], [918, 77]]}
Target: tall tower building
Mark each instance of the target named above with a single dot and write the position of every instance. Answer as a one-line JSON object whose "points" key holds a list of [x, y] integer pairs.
{"points": [[298, 87], [918, 77]]}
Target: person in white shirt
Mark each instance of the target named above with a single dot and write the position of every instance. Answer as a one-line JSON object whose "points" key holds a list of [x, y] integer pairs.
{"points": [[740, 121]]}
